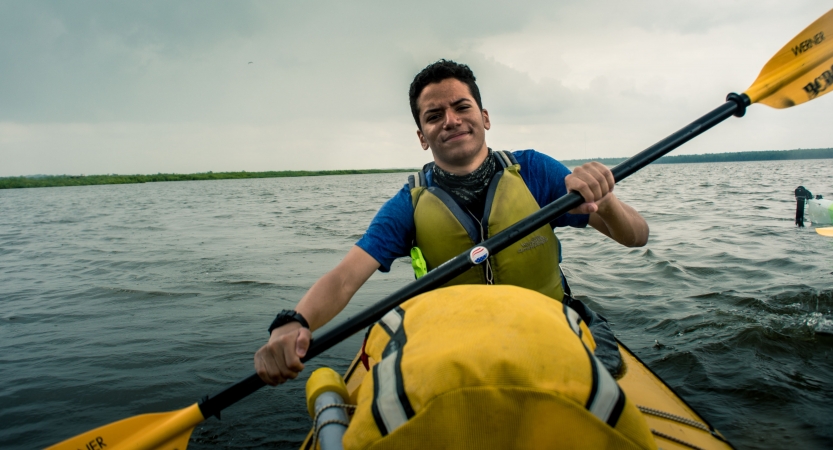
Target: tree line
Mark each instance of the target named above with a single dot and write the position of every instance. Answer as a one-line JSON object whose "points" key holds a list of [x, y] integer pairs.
{"points": [[767, 155], [86, 180]]}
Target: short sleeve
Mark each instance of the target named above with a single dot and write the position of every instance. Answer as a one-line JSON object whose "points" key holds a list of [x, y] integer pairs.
{"points": [[544, 176], [391, 232]]}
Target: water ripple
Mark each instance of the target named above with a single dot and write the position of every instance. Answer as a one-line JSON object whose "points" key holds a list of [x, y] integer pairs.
{"points": [[120, 300]]}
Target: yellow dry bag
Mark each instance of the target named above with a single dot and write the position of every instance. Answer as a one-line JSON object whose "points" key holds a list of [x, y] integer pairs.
{"points": [[489, 367]]}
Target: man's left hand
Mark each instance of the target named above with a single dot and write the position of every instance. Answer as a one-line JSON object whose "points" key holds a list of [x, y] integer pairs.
{"points": [[612, 217], [593, 181]]}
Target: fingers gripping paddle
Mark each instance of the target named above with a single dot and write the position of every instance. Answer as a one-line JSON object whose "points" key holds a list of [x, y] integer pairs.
{"points": [[800, 72]]}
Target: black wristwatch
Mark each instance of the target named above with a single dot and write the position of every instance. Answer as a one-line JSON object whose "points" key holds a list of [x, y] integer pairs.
{"points": [[286, 316]]}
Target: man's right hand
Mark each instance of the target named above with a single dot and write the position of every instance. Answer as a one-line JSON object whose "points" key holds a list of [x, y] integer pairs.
{"points": [[280, 359]]}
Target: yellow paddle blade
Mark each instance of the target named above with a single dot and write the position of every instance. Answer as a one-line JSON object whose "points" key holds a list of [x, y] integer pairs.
{"points": [[163, 431], [799, 72], [828, 231]]}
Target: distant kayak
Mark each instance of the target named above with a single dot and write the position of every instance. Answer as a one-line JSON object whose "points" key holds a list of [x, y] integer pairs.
{"points": [[827, 231]]}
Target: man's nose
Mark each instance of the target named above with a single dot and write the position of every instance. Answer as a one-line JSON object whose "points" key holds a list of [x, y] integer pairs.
{"points": [[451, 119]]}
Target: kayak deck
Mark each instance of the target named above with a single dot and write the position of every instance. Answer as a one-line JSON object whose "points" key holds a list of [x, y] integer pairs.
{"points": [[674, 424]]}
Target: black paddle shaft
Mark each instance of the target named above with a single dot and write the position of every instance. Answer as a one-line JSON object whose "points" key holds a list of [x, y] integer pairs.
{"points": [[735, 105]]}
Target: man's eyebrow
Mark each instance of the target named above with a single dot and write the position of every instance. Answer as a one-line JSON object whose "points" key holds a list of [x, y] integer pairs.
{"points": [[454, 103]]}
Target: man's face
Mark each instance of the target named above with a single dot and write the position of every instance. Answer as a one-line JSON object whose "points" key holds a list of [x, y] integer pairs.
{"points": [[453, 126]]}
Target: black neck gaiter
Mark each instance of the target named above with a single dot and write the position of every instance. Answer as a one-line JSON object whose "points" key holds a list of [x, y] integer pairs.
{"points": [[469, 190]]}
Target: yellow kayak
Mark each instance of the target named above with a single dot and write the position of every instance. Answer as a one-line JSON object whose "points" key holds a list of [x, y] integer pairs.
{"points": [[671, 422], [674, 423]]}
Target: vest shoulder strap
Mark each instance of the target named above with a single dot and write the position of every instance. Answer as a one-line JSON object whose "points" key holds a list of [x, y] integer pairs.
{"points": [[416, 180], [505, 158]]}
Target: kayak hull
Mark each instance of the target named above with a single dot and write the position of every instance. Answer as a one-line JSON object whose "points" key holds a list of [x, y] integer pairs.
{"points": [[674, 423]]}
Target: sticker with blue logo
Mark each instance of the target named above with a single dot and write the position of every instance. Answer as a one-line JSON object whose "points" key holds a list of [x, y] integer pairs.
{"points": [[478, 254]]}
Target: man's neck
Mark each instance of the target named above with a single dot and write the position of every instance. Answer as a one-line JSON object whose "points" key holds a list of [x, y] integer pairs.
{"points": [[465, 167], [468, 190]]}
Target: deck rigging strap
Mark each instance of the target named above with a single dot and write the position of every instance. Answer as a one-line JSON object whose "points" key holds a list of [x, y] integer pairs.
{"points": [[318, 426], [669, 416], [677, 440], [678, 419]]}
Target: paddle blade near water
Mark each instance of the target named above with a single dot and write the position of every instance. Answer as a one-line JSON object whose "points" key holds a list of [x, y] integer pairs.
{"points": [[162, 431], [801, 71], [827, 231]]}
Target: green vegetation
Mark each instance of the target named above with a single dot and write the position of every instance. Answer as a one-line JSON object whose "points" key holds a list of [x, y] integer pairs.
{"points": [[68, 180], [82, 180], [772, 155]]}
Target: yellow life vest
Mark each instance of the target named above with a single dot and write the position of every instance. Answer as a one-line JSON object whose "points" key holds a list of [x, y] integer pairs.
{"points": [[444, 229], [489, 367]]}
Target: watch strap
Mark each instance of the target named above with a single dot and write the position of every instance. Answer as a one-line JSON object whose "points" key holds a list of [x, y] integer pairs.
{"points": [[286, 316]]}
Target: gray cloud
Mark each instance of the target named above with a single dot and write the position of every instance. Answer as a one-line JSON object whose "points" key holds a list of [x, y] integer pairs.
{"points": [[163, 61], [163, 86]]}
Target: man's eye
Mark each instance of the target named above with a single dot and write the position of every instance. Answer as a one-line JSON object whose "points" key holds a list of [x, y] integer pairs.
{"points": [[432, 117]]}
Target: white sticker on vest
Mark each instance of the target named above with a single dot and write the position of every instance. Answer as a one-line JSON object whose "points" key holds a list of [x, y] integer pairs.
{"points": [[478, 254]]}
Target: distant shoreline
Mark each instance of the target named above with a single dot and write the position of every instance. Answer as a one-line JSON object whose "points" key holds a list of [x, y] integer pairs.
{"points": [[769, 155], [88, 180]]}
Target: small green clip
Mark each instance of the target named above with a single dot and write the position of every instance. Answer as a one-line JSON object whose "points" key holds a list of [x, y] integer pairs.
{"points": [[418, 263]]}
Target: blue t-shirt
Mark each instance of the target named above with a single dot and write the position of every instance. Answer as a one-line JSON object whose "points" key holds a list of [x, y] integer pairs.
{"points": [[391, 233]]}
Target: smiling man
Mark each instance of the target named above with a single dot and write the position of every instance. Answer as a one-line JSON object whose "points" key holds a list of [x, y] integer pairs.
{"points": [[466, 195]]}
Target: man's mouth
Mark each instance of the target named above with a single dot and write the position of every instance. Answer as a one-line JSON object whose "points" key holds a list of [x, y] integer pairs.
{"points": [[456, 136]]}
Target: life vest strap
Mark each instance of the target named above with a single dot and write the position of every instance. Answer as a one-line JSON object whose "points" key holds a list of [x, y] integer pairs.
{"points": [[417, 179], [506, 158]]}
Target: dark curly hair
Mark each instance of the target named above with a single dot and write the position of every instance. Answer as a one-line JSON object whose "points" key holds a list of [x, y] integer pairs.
{"points": [[439, 71]]}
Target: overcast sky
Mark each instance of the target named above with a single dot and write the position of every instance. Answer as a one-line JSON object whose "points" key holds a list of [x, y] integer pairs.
{"points": [[192, 86]]}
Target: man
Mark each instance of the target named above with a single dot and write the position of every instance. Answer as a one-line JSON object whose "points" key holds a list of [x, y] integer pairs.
{"points": [[452, 123]]}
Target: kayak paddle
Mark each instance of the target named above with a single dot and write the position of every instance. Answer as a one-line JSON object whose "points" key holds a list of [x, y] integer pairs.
{"points": [[801, 71]]}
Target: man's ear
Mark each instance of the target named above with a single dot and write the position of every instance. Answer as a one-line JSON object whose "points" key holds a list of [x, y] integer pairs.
{"points": [[422, 140], [486, 123]]}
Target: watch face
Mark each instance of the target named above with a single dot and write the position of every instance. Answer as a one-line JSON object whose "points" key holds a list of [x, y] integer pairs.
{"points": [[287, 316], [282, 319]]}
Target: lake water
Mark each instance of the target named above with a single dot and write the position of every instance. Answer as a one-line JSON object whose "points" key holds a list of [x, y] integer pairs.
{"points": [[121, 300]]}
